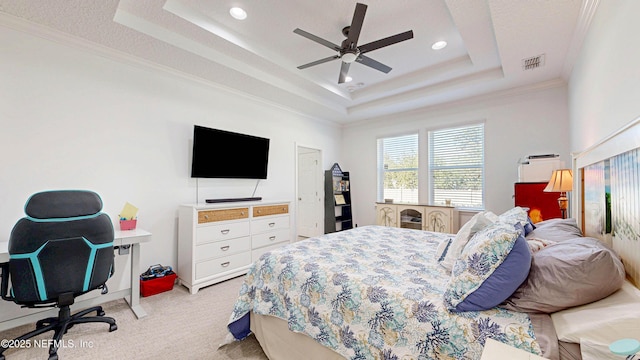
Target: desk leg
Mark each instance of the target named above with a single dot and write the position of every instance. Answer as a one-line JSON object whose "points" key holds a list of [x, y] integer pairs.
{"points": [[134, 298]]}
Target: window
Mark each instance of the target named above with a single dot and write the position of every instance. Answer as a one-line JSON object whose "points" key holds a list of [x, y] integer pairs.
{"points": [[456, 166], [398, 168]]}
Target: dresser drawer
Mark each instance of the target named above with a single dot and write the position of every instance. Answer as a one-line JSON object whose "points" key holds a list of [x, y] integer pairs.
{"points": [[222, 248], [269, 238], [217, 232], [207, 216], [220, 265], [270, 210], [256, 253], [270, 223]]}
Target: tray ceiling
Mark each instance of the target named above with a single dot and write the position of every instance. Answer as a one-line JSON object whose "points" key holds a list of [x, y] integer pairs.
{"points": [[488, 40]]}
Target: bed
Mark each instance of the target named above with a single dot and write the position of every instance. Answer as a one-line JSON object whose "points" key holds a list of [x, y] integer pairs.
{"points": [[386, 293]]}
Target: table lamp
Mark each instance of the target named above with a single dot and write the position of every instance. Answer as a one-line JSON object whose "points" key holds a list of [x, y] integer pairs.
{"points": [[561, 181]]}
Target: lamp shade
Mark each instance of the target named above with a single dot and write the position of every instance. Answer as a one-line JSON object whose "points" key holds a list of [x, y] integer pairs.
{"points": [[561, 181]]}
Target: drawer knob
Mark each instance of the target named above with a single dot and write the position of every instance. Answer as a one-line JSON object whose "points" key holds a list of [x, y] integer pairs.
{"points": [[272, 238], [272, 224], [206, 216], [225, 231], [259, 211], [225, 264], [224, 248]]}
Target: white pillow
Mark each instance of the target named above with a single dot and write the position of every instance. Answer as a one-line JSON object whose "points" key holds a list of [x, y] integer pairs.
{"points": [[491, 216], [478, 222], [604, 321]]}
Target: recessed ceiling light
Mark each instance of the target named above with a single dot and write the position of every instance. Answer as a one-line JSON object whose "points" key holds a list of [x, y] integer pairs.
{"points": [[439, 45], [238, 13], [348, 79]]}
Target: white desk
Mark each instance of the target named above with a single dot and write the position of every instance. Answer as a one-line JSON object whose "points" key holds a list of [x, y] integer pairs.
{"points": [[123, 239]]}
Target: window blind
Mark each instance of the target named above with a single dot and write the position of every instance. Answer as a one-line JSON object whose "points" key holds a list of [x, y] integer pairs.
{"points": [[456, 166], [398, 168]]}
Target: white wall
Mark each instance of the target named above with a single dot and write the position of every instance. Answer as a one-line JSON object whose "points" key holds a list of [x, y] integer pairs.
{"points": [[604, 88], [517, 124], [76, 118]]}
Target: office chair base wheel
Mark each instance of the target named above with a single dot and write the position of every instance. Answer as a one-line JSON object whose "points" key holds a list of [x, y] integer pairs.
{"points": [[100, 312], [53, 357], [112, 327]]}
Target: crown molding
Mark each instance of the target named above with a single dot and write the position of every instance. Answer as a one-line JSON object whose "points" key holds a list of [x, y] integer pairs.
{"points": [[587, 12]]}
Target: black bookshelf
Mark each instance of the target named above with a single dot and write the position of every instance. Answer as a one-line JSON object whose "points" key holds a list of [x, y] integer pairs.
{"points": [[337, 200]]}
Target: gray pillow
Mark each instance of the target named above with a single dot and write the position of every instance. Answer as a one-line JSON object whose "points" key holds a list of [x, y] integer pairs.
{"points": [[569, 273], [555, 230]]}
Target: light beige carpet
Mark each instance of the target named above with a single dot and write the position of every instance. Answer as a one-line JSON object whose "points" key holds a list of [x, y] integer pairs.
{"points": [[178, 326]]}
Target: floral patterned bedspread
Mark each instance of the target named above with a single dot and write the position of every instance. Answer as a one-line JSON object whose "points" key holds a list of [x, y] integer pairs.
{"points": [[372, 293]]}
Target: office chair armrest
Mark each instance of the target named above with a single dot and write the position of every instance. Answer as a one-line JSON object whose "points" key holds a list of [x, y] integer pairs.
{"points": [[4, 287]]}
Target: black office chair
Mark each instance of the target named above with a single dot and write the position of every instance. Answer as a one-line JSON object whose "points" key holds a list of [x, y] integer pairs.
{"points": [[62, 249]]}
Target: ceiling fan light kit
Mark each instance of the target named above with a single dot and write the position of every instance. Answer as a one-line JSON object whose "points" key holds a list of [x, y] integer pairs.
{"points": [[350, 57], [349, 51]]}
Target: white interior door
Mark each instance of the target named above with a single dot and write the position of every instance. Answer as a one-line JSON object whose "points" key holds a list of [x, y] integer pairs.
{"points": [[310, 188]]}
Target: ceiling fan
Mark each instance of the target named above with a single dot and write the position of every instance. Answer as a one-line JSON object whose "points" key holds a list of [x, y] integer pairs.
{"points": [[349, 51]]}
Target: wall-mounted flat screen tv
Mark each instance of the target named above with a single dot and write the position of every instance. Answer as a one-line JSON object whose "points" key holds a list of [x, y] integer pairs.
{"points": [[225, 154]]}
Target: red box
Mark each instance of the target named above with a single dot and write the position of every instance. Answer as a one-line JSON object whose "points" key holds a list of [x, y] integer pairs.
{"points": [[128, 224], [542, 205], [157, 285]]}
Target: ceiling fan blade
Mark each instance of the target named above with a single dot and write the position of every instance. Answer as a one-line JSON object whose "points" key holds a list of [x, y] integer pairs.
{"points": [[344, 70], [317, 62], [356, 24], [386, 41], [319, 40], [364, 60]]}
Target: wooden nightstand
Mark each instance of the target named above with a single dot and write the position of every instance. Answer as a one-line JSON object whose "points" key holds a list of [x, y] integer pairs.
{"points": [[495, 350]]}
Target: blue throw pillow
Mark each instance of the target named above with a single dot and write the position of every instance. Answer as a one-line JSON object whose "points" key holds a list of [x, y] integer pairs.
{"points": [[529, 227], [492, 266]]}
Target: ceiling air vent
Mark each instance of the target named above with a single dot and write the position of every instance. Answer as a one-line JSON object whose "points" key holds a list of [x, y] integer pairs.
{"points": [[533, 62]]}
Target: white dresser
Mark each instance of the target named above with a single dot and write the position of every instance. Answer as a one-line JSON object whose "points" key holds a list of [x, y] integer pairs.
{"points": [[217, 242]]}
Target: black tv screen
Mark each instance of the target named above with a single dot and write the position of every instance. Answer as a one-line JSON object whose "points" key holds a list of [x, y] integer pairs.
{"points": [[225, 154]]}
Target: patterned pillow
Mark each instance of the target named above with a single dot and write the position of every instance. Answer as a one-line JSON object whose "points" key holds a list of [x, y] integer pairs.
{"points": [[491, 267], [517, 215], [447, 255], [536, 244]]}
